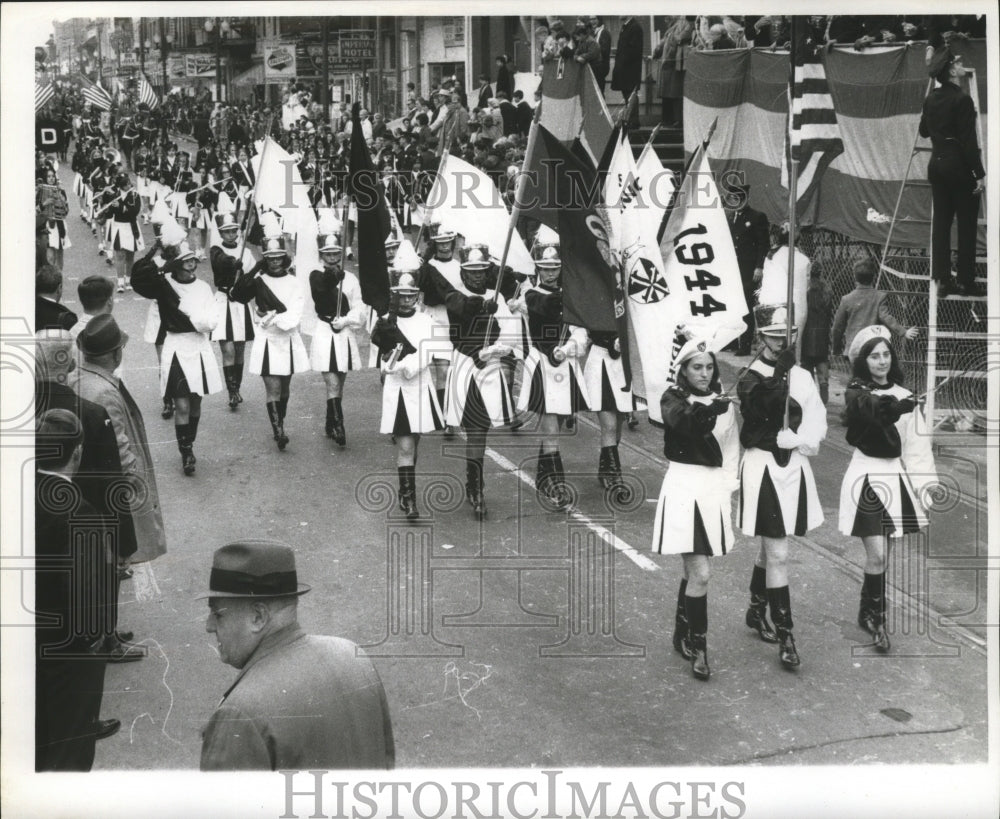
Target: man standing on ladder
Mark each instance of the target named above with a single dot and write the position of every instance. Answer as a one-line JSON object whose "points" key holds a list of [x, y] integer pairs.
{"points": [[956, 174]]}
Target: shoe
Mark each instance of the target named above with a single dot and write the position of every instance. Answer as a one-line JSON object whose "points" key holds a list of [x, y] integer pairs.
{"points": [[128, 286], [168, 409], [570, 422], [681, 645], [945, 288], [337, 431], [449, 432], [880, 639], [971, 290], [188, 461], [632, 421], [282, 438], [757, 619], [121, 287], [125, 636], [786, 650], [104, 728], [125, 652], [234, 400], [408, 505], [865, 619], [124, 572], [350, 254], [476, 500], [699, 657]]}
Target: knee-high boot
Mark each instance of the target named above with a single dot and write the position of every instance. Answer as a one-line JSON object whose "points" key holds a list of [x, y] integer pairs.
{"points": [[681, 623], [338, 433], [757, 612], [185, 447], [781, 612], [697, 614]]}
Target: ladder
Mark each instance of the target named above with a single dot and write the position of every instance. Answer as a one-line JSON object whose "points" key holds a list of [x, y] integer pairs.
{"points": [[946, 339]]}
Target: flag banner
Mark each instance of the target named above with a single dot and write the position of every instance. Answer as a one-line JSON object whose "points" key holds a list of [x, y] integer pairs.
{"points": [[563, 193], [43, 94], [464, 199], [95, 94], [876, 92], [633, 242], [280, 189], [815, 134], [573, 107], [146, 93], [659, 184], [374, 224], [700, 286]]}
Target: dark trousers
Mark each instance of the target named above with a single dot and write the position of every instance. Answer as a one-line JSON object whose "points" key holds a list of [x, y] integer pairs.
{"points": [[951, 193], [68, 692]]}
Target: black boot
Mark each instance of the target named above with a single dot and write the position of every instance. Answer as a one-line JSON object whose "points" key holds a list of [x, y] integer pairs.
{"points": [[277, 426], [619, 489], [781, 612], [282, 409], [168, 409], [408, 492], [238, 380], [869, 588], [474, 487], [230, 375], [339, 433], [875, 620], [603, 468], [757, 612], [681, 645], [632, 421], [328, 426], [185, 447], [697, 615]]}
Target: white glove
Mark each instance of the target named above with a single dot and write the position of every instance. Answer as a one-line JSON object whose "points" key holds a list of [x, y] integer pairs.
{"points": [[788, 439], [407, 370], [517, 306], [494, 351], [559, 353], [338, 323], [268, 318]]}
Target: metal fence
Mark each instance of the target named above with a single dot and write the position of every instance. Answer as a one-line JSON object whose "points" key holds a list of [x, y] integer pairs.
{"points": [[961, 326]]}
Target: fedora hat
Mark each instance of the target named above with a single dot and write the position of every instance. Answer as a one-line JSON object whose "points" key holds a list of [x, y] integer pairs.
{"points": [[102, 335], [254, 568]]}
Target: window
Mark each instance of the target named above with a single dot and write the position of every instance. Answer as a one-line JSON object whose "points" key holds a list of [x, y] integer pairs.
{"points": [[439, 71]]}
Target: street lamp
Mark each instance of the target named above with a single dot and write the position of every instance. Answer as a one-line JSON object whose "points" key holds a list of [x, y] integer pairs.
{"points": [[210, 26]]}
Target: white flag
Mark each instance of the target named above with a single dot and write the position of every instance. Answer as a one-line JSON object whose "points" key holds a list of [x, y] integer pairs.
{"points": [[658, 184], [701, 279], [465, 200], [280, 188]]}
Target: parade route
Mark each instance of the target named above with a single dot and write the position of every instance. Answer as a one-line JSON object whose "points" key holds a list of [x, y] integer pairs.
{"points": [[534, 638]]}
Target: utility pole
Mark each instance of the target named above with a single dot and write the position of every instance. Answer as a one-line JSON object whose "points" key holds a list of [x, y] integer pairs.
{"points": [[325, 99], [218, 61]]}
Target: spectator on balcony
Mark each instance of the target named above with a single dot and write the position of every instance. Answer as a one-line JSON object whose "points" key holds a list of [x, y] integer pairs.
{"points": [[672, 51]]}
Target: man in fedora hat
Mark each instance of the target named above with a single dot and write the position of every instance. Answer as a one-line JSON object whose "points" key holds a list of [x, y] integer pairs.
{"points": [[300, 700]]}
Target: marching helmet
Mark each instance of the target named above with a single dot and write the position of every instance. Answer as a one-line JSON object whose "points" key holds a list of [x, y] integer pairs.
{"points": [[407, 285], [123, 180], [440, 234], [548, 257], [273, 246], [475, 257], [328, 243], [391, 242], [772, 319], [226, 220], [184, 252]]}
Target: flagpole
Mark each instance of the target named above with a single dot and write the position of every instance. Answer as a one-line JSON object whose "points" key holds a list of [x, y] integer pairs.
{"points": [[440, 171], [343, 245], [687, 168], [793, 186]]}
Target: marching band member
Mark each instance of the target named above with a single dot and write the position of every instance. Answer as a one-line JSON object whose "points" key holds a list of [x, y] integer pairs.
{"points": [[243, 177], [125, 236], [188, 369], [604, 376], [439, 256], [694, 510], [892, 451], [477, 392], [168, 234], [336, 295], [235, 325], [201, 202], [278, 352], [777, 489], [553, 384], [406, 341]]}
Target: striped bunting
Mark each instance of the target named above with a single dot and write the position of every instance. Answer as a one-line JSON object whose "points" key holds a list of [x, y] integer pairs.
{"points": [[146, 93], [95, 94], [815, 135], [43, 93]]}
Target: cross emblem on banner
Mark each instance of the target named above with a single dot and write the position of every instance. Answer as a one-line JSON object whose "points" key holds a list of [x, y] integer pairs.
{"points": [[645, 284]]}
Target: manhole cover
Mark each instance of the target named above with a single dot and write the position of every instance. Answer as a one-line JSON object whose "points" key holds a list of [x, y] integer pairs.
{"points": [[897, 714]]}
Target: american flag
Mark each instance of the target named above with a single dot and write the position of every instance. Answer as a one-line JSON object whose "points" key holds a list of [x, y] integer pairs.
{"points": [[94, 94], [146, 92], [815, 133], [43, 93]]}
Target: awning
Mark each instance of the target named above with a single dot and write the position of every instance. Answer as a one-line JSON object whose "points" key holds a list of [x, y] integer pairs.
{"points": [[252, 76]]}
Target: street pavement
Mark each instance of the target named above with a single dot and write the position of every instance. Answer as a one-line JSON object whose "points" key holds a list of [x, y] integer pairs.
{"points": [[535, 638]]}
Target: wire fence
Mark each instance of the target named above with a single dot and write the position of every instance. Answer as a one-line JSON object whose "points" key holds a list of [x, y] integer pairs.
{"points": [[961, 325]]}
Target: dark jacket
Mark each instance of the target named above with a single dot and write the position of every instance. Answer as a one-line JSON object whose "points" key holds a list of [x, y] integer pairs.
{"points": [[628, 57], [949, 120], [50, 314]]}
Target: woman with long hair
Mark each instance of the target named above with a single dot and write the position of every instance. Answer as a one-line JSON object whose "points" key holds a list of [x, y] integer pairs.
{"points": [[694, 514], [892, 464]]}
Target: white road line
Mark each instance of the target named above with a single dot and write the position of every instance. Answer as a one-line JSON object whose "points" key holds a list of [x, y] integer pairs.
{"points": [[611, 539]]}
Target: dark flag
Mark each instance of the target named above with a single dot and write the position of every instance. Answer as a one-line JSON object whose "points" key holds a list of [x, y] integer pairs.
{"points": [[563, 193], [374, 223]]}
